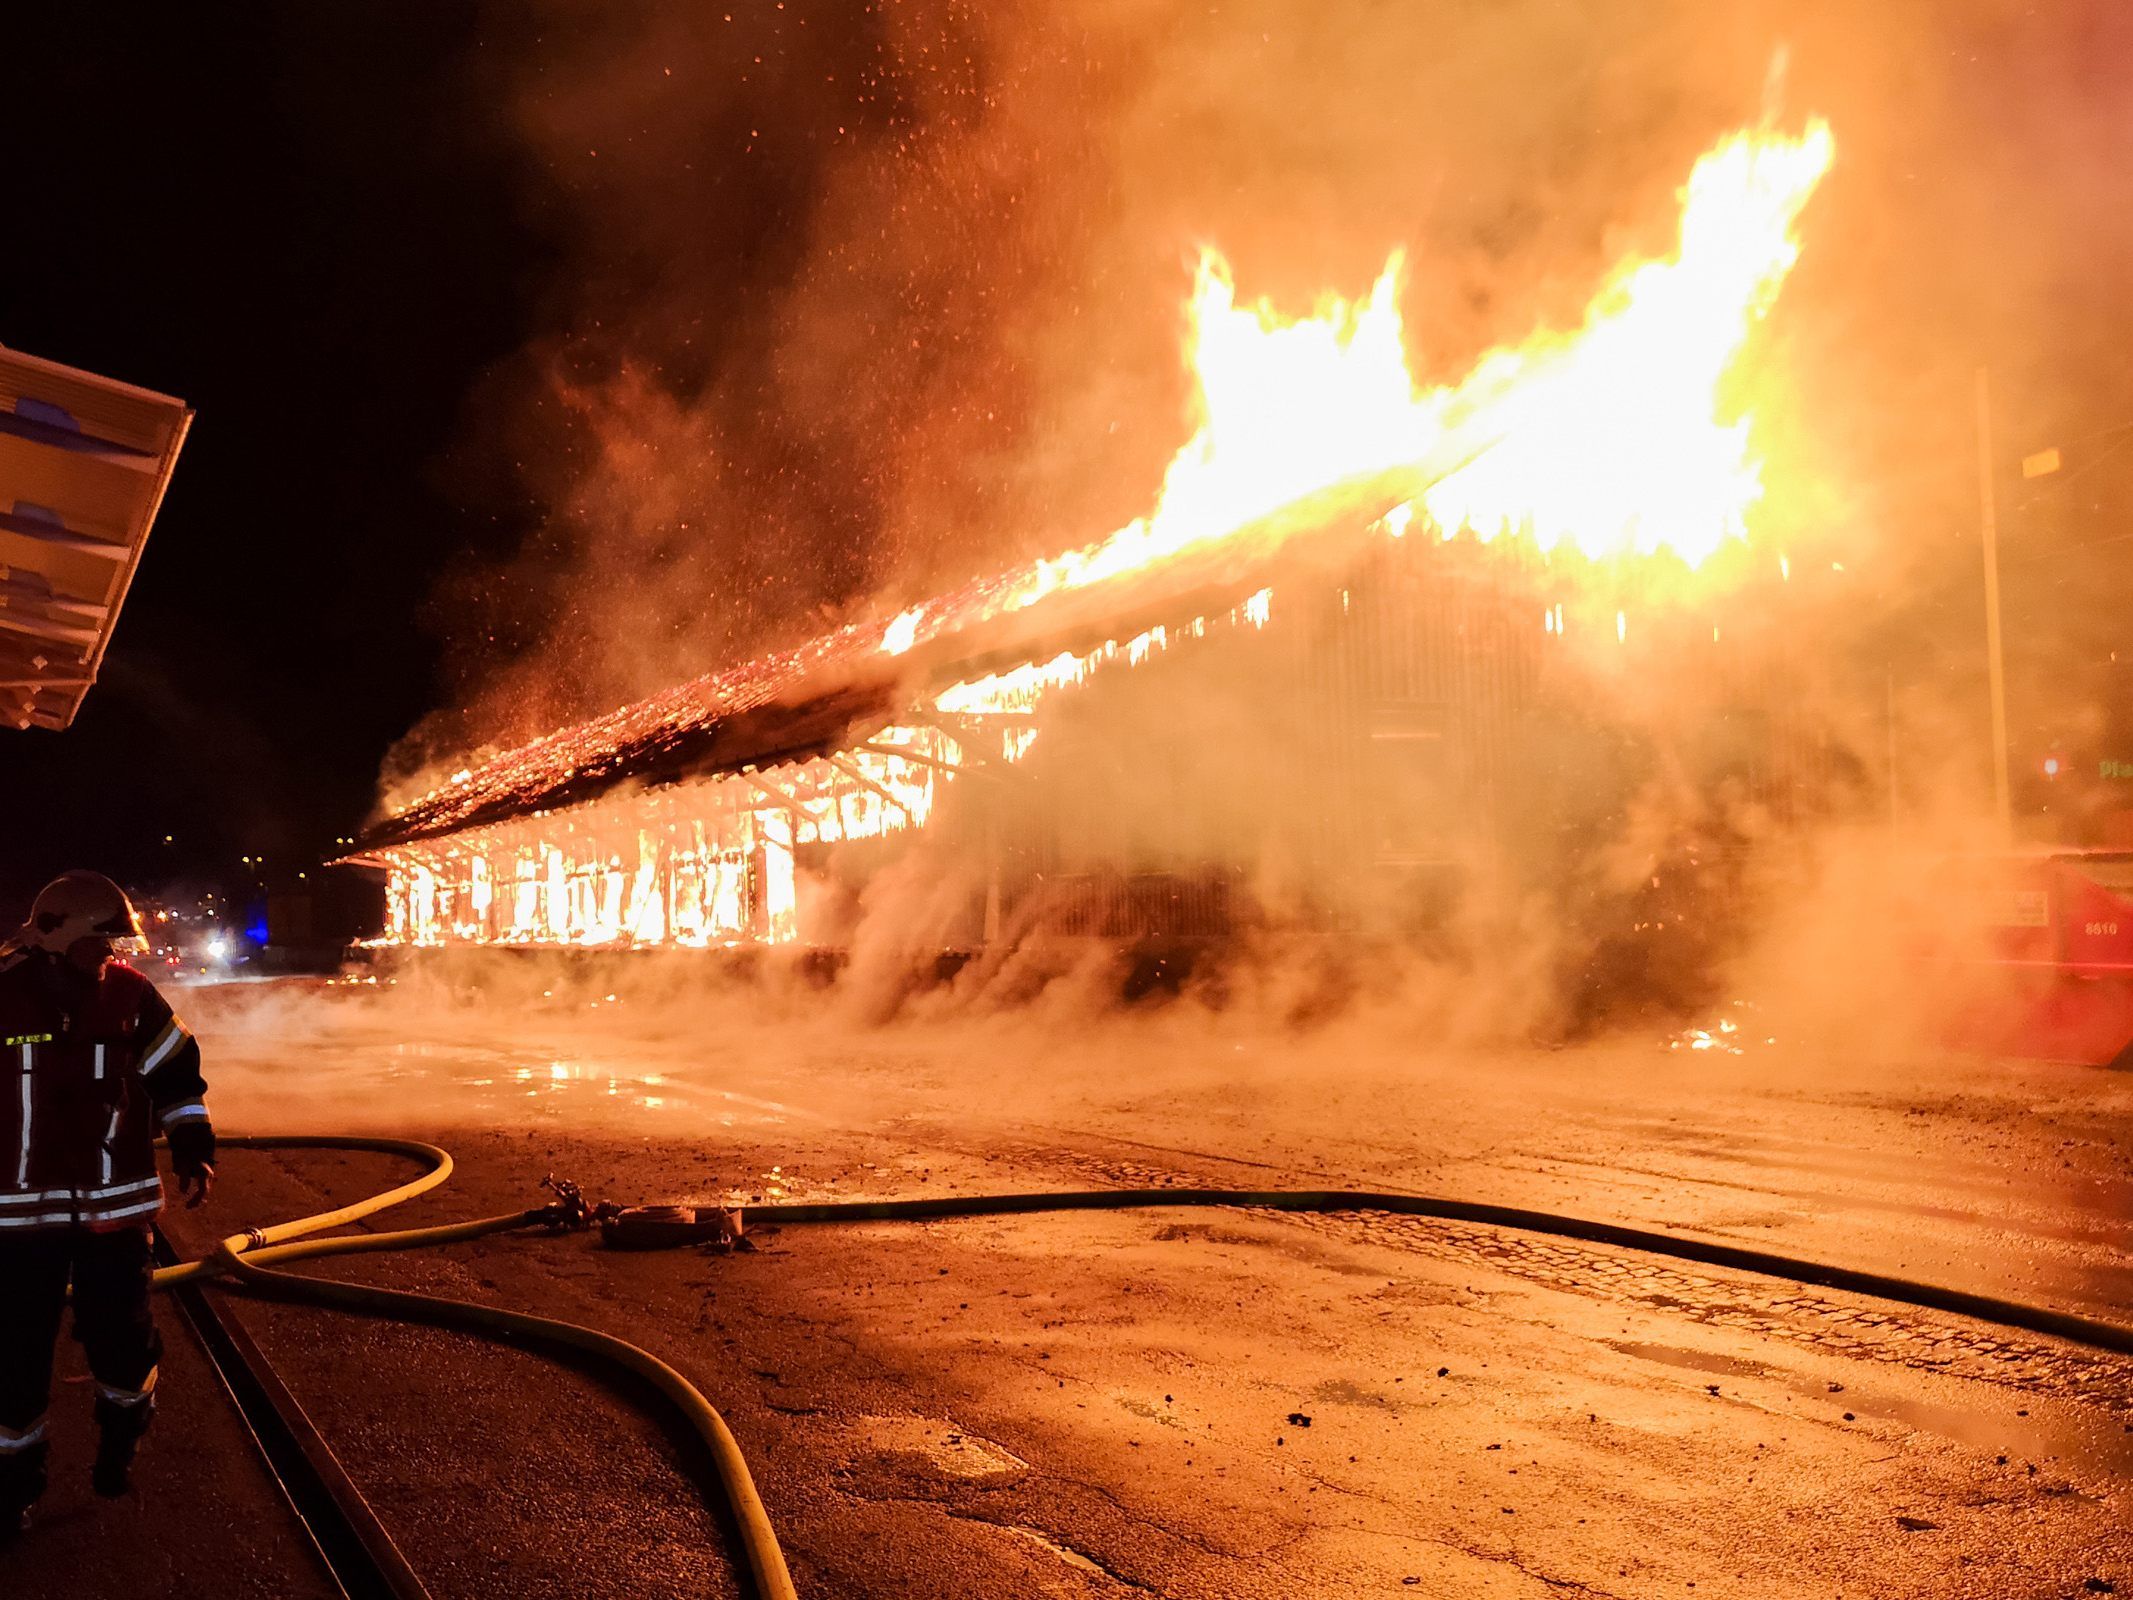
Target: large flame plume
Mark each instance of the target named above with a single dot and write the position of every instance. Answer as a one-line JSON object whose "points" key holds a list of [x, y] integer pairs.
{"points": [[1612, 438]]}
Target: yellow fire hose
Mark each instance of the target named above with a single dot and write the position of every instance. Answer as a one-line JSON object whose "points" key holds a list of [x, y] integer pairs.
{"points": [[440, 1168], [242, 1261], [241, 1258]]}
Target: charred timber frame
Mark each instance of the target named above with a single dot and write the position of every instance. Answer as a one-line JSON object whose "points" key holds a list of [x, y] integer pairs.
{"points": [[834, 694]]}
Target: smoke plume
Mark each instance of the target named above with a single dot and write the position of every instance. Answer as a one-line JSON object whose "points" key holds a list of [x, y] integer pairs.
{"points": [[851, 300]]}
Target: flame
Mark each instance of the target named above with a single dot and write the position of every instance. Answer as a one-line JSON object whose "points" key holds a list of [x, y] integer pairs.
{"points": [[901, 634], [1611, 438], [1289, 407]]}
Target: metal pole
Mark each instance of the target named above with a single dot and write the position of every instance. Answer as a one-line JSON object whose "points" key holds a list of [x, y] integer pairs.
{"points": [[1995, 660]]}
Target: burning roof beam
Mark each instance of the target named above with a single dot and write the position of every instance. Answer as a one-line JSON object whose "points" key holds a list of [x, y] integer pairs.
{"points": [[866, 782], [901, 752], [776, 796]]}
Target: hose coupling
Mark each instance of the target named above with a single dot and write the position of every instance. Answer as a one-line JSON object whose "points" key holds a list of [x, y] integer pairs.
{"points": [[570, 1211]]}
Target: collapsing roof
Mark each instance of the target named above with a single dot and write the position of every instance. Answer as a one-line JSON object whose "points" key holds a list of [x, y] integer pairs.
{"points": [[84, 462], [835, 691]]}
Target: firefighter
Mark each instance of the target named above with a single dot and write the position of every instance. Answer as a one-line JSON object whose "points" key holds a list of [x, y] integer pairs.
{"points": [[93, 1063]]}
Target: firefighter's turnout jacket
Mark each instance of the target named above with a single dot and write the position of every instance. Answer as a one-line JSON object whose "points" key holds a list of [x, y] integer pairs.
{"points": [[90, 1068]]}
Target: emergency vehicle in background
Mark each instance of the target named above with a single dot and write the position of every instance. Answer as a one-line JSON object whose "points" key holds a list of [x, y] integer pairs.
{"points": [[2045, 941]]}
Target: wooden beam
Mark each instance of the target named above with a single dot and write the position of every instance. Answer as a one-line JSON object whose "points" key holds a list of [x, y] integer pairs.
{"points": [[47, 532], [904, 753], [21, 589], [957, 723], [39, 628], [784, 801], [57, 436], [861, 778]]}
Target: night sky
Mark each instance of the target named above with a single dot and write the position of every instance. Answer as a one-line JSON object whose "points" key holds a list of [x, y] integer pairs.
{"points": [[297, 228], [543, 352]]}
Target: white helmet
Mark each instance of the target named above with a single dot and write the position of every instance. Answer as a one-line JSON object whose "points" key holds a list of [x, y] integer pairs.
{"points": [[82, 905]]}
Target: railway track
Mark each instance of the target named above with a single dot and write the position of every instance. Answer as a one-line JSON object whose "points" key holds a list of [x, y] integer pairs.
{"points": [[353, 1548]]}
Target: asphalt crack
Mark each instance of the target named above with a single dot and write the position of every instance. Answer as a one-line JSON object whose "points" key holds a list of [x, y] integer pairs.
{"points": [[1067, 1553], [1513, 1560]]}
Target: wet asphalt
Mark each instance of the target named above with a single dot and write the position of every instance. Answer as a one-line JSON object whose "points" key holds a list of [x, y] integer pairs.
{"points": [[1192, 1404]]}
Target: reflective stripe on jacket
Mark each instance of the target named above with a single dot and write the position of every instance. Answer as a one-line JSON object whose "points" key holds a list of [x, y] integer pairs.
{"points": [[89, 1069]]}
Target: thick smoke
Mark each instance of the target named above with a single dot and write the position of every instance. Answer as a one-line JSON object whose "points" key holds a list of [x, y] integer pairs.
{"points": [[848, 299], [851, 300]]}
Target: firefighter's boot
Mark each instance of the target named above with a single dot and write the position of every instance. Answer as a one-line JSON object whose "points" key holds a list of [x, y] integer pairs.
{"points": [[119, 1429], [22, 1482]]}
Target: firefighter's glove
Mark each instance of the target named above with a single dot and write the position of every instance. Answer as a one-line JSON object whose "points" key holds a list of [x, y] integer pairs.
{"points": [[192, 1154]]}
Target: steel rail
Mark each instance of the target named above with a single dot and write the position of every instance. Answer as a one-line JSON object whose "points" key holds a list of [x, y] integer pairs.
{"points": [[344, 1533]]}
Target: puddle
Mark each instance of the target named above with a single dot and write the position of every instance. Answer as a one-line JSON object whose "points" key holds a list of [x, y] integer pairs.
{"points": [[595, 1084], [2101, 1445], [1690, 1360]]}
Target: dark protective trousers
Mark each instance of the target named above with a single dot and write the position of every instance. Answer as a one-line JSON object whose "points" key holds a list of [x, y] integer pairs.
{"points": [[110, 1273]]}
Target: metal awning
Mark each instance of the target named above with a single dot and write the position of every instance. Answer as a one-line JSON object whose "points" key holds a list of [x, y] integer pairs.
{"points": [[84, 462]]}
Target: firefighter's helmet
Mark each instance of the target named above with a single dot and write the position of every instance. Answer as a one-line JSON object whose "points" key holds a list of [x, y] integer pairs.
{"points": [[82, 905]]}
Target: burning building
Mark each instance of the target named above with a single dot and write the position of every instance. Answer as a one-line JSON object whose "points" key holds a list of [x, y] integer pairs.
{"points": [[1381, 607]]}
